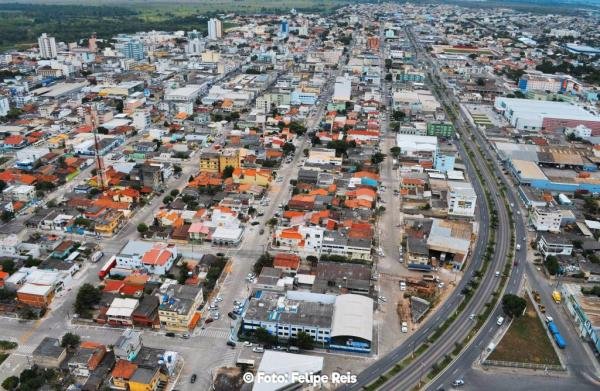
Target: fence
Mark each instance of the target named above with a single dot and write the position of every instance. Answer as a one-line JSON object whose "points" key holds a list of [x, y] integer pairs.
{"points": [[526, 365]]}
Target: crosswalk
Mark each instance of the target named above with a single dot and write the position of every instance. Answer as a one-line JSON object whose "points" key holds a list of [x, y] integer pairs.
{"points": [[228, 359], [214, 332]]}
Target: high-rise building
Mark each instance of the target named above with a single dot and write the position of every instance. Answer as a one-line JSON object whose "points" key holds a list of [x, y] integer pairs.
{"points": [[195, 47], [133, 49], [215, 29], [92, 45], [47, 46], [3, 106], [284, 28]]}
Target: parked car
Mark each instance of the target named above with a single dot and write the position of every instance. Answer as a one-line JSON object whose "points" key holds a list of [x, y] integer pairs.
{"points": [[193, 378], [247, 344], [232, 315], [231, 343], [185, 335], [258, 349], [404, 327], [209, 320], [170, 334]]}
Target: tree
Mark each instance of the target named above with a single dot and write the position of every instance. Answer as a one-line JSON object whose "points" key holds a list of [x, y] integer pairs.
{"points": [[264, 260], [513, 305], [305, 341], [7, 215], [174, 193], [10, 383], [377, 157], [552, 265], [8, 266], [177, 169], [398, 115], [142, 228], [70, 340], [395, 151], [288, 148], [87, 297], [228, 172], [264, 337], [480, 81], [167, 200]]}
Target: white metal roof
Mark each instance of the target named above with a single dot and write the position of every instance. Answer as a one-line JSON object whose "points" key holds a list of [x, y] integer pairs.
{"points": [[274, 362], [353, 316]]}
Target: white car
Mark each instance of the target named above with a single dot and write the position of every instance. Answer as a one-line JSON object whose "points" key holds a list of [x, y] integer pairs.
{"points": [[258, 349], [219, 299], [497, 274], [247, 344], [404, 327], [402, 285], [500, 321]]}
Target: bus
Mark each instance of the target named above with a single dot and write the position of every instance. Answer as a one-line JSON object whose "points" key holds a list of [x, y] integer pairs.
{"points": [[107, 266]]}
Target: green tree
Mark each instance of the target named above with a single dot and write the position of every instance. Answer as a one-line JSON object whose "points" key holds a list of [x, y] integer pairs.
{"points": [[398, 115], [552, 265], [395, 151], [87, 297], [377, 157], [167, 200], [265, 260], [305, 341], [70, 340], [142, 228], [10, 383], [8, 266], [228, 172], [513, 305], [264, 337], [174, 193], [288, 148]]}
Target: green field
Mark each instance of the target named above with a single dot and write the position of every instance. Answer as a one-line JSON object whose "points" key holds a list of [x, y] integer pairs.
{"points": [[526, 341], [70, 20]]}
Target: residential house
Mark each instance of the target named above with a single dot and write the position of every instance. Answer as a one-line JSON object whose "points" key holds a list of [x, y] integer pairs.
{"points": [[128, 344], [86, 358], [49, 353]]}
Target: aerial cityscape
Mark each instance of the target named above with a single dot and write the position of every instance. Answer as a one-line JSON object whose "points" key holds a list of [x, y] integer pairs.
{"points": [[299, 195]]}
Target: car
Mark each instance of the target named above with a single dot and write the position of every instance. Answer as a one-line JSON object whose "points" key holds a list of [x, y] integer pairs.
{"points": [[441, 285], [170, 334], [247, 344], [231, 343], [497, 274], [261, 231], [193, 378], [232, 315], [255, 223], [402, 285], [209, 320], [217, 316], [458, 383], [258, 349], [213, 306], [382, 298], [404, 327], [219, 299], [500, 320], [472, 316], [185, 335]]}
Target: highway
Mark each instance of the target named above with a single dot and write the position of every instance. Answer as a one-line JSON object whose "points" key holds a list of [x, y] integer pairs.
{"points": [[414, 372]]}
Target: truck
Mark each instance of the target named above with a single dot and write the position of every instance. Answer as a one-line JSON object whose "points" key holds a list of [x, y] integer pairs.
{"points": [[558, 338], [556, 297]]}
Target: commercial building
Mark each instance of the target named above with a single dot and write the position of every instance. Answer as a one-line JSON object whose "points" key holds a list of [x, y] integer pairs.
{"points": [[33, 295], [182, 99], [553, 244], [545, 218], [417, 147], [461, 199], [342, 90], [47, 45], [343, 322], [178, 306], [545, 116], [215, 29], [49, 353], [585, 310], [133, 49], [538, 81]]}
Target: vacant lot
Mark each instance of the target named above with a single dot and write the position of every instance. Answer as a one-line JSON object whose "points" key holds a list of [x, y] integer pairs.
{"points": [[526, 341]]}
